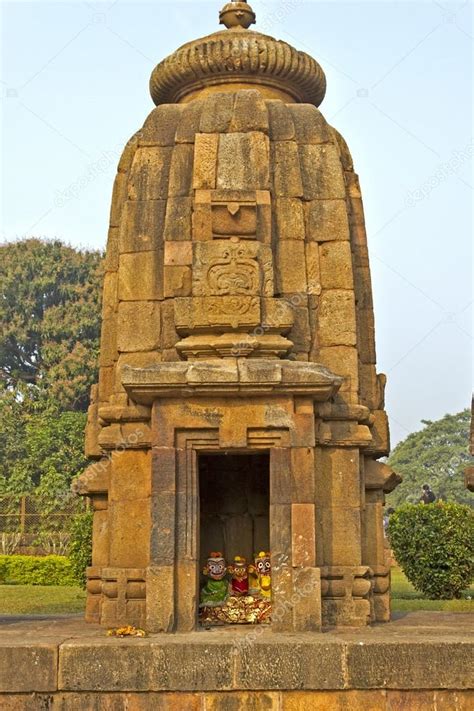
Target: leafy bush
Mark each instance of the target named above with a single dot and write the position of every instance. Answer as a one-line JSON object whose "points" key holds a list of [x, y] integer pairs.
{"points": [[434, 546], [36, 570], [3, 568], [80, 545]]}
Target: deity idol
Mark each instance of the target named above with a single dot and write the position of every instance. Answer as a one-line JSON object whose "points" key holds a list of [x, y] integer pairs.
{"points": [[216, 589], [261, 574], [240, 580]]}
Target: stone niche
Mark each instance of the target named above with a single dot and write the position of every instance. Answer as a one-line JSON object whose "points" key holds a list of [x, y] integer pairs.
{"points": [[238, 406], [234, 504]]}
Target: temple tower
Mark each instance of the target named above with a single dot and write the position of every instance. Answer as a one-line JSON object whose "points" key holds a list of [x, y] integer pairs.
{"points": [[238, 406]]}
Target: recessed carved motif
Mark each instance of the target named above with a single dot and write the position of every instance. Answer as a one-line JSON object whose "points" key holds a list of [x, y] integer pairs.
{"points": [[233, 273], [232, 268], [234, 219], [233, 306], [224, 214], [215, 312]]}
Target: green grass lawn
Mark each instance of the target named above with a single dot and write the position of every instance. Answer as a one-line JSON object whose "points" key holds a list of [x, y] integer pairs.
{"points": [[406, 599], [41, 600], [55, 600]]}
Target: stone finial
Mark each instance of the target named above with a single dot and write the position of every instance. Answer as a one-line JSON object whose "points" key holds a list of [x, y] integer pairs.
{"points": [[239, 57], [237, 14]]}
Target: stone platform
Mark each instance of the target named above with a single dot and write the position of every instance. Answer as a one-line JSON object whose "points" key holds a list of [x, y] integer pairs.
{"points": [[418, 661]]}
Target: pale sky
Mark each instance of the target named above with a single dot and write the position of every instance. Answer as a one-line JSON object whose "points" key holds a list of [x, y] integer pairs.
{"points": [[74, 85]]}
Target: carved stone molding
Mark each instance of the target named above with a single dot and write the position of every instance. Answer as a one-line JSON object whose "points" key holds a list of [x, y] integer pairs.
{"points": [[232, 377], [343, 434], [380, 476], [233, 345], [210, 313], [119, 413], [94, 481], [242, 57], [123, 596], [247, 316]]}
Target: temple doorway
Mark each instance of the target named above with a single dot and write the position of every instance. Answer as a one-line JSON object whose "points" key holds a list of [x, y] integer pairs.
{"points": [[234, 505]]}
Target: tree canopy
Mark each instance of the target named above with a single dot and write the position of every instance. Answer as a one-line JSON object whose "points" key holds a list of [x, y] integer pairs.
{"points": [[41, 448], [49, 343], [50, 314], [436, 455]]}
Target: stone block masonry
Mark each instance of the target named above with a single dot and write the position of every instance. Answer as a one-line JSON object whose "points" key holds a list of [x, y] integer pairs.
{"points": [[238, 321], [421, 661]]}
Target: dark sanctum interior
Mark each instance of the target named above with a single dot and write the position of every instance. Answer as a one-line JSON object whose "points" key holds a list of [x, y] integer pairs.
{"points": [[234, 492]]}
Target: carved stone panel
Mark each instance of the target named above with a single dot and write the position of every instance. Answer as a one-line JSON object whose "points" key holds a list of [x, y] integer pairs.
{"points": [[232, 268], [216, 312]]}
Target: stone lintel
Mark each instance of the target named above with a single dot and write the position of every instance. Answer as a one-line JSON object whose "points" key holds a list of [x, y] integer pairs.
{"points": [[230, 378]]}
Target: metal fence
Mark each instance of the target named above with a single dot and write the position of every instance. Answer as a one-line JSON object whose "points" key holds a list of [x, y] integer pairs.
{"points": [[30, 524]]}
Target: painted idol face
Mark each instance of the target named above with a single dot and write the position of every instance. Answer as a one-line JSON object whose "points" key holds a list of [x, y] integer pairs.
{"points": [[263, 564], [216, 568], [239, 568]]}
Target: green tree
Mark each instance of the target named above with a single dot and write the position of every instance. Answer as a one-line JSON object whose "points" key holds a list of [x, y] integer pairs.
{"points": [[436, 455], [41, 449], [49, 342], [55, 452], [12, 442], [50, 314]]}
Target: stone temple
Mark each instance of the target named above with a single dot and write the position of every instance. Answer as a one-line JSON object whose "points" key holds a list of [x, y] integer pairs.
{"points": [[238, 407]]}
